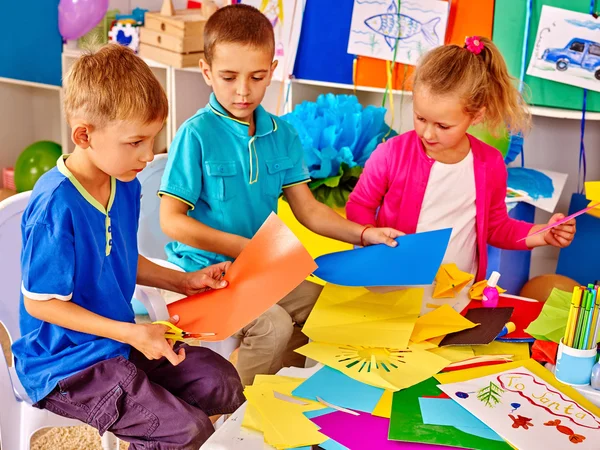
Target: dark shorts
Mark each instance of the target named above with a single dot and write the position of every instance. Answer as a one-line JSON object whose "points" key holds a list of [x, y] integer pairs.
{"points": [[151, 404]]}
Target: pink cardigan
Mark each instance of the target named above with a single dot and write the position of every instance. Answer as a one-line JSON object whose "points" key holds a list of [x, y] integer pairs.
{"points": [[395, 178]]}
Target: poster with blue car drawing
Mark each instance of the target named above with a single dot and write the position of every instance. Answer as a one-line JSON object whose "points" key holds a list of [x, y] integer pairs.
{"points": [[567, 48], [378, 28]]}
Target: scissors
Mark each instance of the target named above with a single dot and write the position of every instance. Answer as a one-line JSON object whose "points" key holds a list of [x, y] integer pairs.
{"points": [[177, 334]]}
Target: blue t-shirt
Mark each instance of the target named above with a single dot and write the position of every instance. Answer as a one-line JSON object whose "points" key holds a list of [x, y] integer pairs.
{"points": [[74, 250], [231, 181]]}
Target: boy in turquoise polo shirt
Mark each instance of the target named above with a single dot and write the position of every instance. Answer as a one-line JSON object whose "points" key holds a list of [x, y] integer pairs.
{"points": [[227, 167], [80, 354]]}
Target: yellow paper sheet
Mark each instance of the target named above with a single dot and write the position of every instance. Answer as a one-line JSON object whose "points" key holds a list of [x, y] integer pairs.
{"points": [[284, 385], [315, 244], [530, 364], [519, 350], [450, 280], [284, 425], [592, 191], [438, 322], [453, 353], [356, 316], [381, 367], [425, 345], [384, 406]]}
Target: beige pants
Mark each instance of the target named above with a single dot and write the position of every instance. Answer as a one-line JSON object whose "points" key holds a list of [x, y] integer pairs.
{"points": [[268, 343]]}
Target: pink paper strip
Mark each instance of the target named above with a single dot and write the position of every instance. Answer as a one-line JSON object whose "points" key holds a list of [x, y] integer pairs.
{"points": [[365, 432], [560, 222]]}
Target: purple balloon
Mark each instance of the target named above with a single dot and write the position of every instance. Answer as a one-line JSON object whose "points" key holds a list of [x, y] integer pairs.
{"points": [[77, 17]]}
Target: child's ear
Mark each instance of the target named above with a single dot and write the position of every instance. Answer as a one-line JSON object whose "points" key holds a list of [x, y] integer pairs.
{"points": [[479, 116], [206, 73], [80, 135], [273, 67]]}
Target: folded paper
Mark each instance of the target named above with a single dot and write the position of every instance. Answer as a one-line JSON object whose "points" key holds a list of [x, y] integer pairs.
{"points": [[450, 280], [356, 316]]}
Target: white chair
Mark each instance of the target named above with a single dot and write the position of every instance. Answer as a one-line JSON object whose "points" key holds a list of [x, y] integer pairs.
{"points": [[152, 240], [18, 419]]}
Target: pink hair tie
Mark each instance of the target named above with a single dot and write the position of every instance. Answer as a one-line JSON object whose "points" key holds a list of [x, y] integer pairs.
{"points": [[474, 44]]}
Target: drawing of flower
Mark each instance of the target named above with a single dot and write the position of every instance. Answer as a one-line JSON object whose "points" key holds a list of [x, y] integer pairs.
{"points": [[490, 395], [474, 44]]}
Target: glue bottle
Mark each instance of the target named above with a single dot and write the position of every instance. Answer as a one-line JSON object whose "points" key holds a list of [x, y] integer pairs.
{"points": [[490, 293]]}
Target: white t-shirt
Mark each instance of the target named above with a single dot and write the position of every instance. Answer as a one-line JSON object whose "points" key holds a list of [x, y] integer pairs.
{"points": [[449, 202]]}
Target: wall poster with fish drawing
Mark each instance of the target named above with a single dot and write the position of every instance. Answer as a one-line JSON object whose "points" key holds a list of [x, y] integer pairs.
{"points": [[567, 48], [378, 26], [526, 411], [286, 18]]}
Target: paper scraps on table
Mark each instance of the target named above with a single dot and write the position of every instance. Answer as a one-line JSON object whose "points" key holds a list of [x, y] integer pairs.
{"points": [[272, 265], [406, 423], [363, 432], [356, 316], [450, 280], [385, 368], [446, 412], [340, 390], [384, 406], [490, 320], [439, 322], [416, 260], [524, 312], [282, 422]]}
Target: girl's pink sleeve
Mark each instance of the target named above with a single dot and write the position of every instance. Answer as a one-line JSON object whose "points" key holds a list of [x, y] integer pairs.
{"points": [[504, 232], [372, 185]]}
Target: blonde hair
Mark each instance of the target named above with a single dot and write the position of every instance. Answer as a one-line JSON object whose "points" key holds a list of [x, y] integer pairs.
{"points": [[238, 24], [481, 80], [113, 84]]}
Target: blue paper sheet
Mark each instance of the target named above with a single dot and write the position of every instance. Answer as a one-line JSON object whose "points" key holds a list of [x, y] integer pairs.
{"points": [[415, 261], [340, 390], [446, 412]]}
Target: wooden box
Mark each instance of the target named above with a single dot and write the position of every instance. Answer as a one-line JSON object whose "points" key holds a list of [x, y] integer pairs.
{"points": [[173, 37]]}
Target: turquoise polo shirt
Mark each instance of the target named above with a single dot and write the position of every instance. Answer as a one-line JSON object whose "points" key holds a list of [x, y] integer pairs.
{"points": [[231, 181], [75, 250]]}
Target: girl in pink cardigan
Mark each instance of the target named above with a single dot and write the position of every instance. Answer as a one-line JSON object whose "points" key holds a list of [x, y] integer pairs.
{"points": [[438, 176]]}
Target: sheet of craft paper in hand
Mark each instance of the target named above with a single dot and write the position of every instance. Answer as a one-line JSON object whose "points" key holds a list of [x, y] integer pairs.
{"points": [[527, 412]]}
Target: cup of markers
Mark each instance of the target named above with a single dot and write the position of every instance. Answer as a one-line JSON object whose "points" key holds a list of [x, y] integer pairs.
{"points": [[577, 351]]}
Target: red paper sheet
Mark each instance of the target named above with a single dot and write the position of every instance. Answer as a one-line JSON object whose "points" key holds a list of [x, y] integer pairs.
{"points": [[523, 314], [272, 265]]}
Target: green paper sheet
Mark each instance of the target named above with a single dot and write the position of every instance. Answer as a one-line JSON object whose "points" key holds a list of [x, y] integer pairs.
{"points": [[509, 26], [406, 423], [552, 321]]}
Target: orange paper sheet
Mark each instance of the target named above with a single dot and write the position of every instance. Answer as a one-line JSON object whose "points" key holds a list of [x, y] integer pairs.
{"points": [[272, 265]]}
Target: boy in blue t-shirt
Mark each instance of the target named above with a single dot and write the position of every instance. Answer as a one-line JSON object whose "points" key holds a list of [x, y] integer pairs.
{"points": [[227, 167], [81, 355]]}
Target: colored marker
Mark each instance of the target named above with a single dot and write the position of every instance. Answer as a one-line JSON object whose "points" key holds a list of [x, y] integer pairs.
{"points": [[577, 295], [594, 330], [589, 318], [575, 300], [580, 319]]}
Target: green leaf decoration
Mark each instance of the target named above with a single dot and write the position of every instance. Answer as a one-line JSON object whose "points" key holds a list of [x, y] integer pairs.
{"points": [[490, 395]]}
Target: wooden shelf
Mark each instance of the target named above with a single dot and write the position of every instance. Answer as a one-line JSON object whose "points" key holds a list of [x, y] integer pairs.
{"points": [[50, 87]]}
